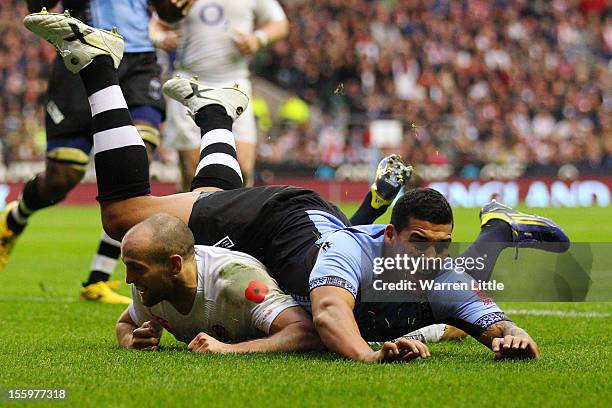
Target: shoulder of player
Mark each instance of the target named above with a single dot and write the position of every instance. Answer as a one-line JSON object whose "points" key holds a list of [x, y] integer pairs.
{"points": [[218, 256], [229, 272], [356, 238]]}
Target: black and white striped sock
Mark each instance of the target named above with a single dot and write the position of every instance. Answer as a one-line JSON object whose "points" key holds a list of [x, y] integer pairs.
{"points": [[104, 262], [122, 168], [218, 165]]}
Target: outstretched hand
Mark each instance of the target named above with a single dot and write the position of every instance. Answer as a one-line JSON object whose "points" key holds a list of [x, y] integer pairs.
{"points": [[519, 347], [401, 350], [204, 343]]}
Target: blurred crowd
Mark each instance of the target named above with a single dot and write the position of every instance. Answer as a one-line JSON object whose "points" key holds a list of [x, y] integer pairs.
{"points": [[472, 82], [23, 68], [502, 81]]}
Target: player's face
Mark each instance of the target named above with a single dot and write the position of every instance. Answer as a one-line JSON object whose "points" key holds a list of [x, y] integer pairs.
{"points": [[421, 238], [151, 279]]}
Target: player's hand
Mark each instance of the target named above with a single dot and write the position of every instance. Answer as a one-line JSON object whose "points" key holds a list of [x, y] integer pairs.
{"points": [[203, 343], [246, 43], [167, 40], [514, 347], [183, 5], [401, 350], [146, 337]]}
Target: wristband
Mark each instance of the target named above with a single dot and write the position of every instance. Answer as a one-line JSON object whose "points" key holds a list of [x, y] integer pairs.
{"points": [[262, 38]]}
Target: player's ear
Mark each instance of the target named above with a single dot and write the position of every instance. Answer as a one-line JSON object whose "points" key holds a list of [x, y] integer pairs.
{"points": [[176, 264], [390, 234]]}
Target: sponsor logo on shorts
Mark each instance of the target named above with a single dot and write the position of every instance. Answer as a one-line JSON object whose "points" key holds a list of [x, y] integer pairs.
{"points": [[55, 113], [155, 89], [225, 242]]}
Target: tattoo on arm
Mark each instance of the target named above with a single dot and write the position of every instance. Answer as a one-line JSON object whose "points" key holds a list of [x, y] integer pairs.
{"points": [[501, 329]]}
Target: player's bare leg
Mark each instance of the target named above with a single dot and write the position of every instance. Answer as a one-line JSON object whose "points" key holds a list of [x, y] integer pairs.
{"points": [[188, 162], [247, 153]]}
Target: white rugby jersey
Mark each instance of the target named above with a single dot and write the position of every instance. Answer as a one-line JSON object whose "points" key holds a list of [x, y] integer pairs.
{"points": [[236, 300], [207, 47]]}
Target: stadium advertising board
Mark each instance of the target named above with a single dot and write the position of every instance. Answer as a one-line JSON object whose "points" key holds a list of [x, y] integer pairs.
{"points": [[534, 192]]}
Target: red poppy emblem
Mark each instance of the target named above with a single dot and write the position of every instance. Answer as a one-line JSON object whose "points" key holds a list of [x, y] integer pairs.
{"points": [[256, 291]]}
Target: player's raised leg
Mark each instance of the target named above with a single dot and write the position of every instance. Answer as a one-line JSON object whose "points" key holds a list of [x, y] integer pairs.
{"points": [[391, 175], [214, 111], [503, 227], [119, 152]]}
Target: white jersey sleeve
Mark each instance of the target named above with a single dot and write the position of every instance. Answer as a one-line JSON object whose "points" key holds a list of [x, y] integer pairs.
{"points": [[138, 312], [268, 10], [264, 313], [247, 287]]}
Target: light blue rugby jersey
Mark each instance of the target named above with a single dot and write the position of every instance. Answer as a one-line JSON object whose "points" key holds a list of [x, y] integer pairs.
{"points": [[131, 18], [346, 259]]}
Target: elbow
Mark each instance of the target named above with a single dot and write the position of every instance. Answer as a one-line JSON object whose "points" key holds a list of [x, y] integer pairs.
{"points": [[115, 219], [307, 337], [121, 334]]}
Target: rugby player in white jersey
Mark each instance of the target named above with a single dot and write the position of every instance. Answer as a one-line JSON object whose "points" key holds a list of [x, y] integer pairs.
{"points": [[213, 299], [217, 39]]}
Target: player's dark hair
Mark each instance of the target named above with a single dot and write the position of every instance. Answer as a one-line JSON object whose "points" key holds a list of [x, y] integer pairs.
{"points": [[424, 204], [171, 236]]}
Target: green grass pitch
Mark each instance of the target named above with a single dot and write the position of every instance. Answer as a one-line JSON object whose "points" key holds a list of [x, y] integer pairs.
{"points": [[49, 339]]}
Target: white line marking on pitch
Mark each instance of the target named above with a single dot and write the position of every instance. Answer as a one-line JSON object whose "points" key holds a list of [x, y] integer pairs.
{"points": [[37, 299], [529, 312], [559, 313]]}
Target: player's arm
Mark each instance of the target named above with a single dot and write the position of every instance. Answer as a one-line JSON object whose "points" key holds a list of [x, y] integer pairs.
{"points": [[130, 335], [291, 330], [250, 43], [274, 30], [35, 6], [273, 27], [479, 316], [332, 310], [507, 340], [172, 10]]}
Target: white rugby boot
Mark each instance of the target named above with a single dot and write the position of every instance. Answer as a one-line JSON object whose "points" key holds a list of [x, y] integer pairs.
{"points": [[76, 42], [194, 95]]}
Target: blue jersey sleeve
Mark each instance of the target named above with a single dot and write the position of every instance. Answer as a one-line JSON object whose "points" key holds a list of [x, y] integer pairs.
{"points": [[467, 308], [338, 263]]}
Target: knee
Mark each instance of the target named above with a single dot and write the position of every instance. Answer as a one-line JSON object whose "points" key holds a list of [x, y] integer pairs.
{"points": [[59, 179], [114, 220]]}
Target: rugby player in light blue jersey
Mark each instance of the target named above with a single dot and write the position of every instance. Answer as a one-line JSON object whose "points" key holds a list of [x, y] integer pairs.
{"points": [[350, 262]]}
